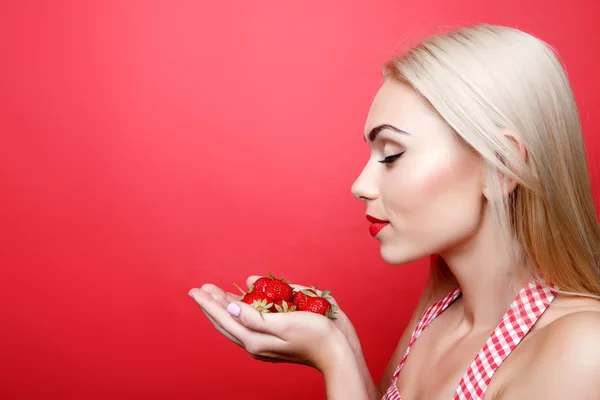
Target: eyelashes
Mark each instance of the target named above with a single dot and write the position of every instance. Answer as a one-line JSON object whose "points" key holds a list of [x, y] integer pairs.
{"points": [[391, 158]]}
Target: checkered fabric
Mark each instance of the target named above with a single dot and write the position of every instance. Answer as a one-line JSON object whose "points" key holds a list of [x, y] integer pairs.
{"points": [[531, 301]]}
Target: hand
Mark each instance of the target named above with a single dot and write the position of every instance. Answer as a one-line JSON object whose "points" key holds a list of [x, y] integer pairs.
{"points": [[342, 322], [297, 337]]}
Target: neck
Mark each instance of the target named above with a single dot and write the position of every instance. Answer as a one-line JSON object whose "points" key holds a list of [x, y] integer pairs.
{"points": [[488, 278]]}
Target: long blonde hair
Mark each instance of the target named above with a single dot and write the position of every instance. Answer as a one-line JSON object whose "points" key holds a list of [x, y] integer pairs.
{"points": [[484, 80]]}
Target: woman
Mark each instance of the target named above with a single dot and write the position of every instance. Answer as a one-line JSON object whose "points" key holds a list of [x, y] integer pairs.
{"points": [[477, 159]]}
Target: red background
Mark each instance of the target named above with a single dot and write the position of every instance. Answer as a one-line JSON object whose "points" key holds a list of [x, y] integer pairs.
{"points": [[148, 147]]}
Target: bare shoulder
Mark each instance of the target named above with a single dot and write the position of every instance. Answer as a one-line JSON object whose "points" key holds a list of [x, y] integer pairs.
{"points": [[574, 339], [562, 359]]}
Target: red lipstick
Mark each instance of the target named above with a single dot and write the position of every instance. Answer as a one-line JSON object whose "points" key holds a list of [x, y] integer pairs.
{"points": [[376, 224]]}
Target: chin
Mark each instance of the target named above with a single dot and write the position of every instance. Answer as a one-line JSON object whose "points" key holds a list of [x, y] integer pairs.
{"points": [[399, 255]]}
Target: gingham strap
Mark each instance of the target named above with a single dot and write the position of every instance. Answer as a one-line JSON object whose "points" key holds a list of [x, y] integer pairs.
{"points": [[531, 301], [429, 315]]}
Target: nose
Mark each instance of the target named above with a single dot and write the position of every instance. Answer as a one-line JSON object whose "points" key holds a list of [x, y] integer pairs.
{"points": [[364, 187]]}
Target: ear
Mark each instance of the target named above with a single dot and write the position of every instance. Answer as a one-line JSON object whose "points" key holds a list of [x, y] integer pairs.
{"points": [[516, 140]]}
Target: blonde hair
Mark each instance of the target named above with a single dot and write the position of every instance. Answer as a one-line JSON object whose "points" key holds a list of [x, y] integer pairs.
{"points": [[485, 80]]}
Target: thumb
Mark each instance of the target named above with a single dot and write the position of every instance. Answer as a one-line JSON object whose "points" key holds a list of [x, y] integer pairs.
{"points": [[251, 279]]}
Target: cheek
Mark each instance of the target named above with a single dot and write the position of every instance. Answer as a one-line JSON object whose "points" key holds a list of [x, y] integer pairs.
{"points": [[434, 199]]}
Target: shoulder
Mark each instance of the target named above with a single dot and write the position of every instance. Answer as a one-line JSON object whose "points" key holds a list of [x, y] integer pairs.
{"points": [[573, 326], [566, 363], [574, 338]]}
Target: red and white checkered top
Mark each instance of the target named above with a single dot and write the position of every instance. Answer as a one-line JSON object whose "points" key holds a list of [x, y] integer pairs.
{"points": [[531, 301]]}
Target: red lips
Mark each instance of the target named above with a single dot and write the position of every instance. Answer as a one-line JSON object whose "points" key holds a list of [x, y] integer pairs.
{"points": [[375, 220], [376, 224]]}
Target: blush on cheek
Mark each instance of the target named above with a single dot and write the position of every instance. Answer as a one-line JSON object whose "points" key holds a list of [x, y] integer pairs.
{"points": [[450, 176], [434, 205], [423, 183], [447, 189]]}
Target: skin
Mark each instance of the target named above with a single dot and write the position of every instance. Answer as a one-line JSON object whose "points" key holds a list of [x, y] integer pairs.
{"points": [[272, 337], [435, 197]]}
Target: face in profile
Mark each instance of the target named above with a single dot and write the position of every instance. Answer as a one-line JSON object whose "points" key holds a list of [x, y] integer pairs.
{"points": [[420, 176]]}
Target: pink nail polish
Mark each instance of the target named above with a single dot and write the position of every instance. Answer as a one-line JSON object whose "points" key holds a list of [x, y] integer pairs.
{"points": [[233, 309]]}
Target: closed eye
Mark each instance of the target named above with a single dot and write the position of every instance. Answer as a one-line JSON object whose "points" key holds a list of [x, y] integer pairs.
{"points": [[391, 158]]}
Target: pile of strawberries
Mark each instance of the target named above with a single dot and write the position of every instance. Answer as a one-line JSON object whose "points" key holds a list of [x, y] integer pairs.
{"points": [[272, 295]]}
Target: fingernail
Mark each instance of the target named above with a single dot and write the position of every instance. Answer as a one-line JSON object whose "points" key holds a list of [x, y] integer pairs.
{"points": [[233, 309], [190, 294]]}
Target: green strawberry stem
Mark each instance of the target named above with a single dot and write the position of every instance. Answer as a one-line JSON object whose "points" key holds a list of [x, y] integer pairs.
{"points": [[285, 307], [262, 306], [280, 279]]}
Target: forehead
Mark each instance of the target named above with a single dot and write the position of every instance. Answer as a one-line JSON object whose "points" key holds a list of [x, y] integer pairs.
{"points": [[397, 103]]}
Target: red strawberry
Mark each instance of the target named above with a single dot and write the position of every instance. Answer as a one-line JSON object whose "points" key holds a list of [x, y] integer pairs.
{"points": [[248, 298], [318, 305], [256, 300], [279, 290], [308, 300], [301, 299], [260, 284], [283, 306], [269, 294], [272, 288]]}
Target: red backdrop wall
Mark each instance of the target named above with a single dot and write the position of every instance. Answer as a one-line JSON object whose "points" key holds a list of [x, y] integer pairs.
{"points": [[150, 147]]}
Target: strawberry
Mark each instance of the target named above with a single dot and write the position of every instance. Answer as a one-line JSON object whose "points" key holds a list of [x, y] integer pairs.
{"points": [[272, 295], [279, 290], [319, 305], [257, 300], [301, 298], [283, 306], [260, 284], [309, 300], [272, 288], [262, 305], [248, 298]]}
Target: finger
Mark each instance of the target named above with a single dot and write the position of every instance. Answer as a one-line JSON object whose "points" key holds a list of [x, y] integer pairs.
{"points": [[219, 314], [221, 300], [221, 329], [255, 351], [231, 297], [250, 339], [215, 290], [212, 289], [223, 303], [272, 324]]}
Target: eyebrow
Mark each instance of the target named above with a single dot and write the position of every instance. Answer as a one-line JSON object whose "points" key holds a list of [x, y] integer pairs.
{"points": [[375, 131]]}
